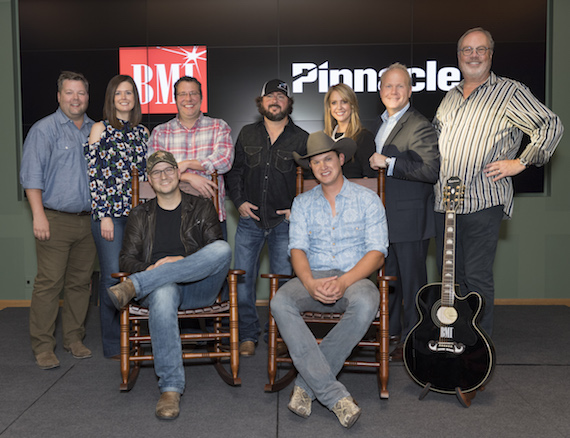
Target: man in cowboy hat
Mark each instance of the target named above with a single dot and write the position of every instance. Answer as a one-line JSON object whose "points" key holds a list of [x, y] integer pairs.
{"points": [[337, 238]]}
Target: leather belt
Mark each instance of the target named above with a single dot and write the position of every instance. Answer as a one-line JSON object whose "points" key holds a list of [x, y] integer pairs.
{"points": [[81, 213]]}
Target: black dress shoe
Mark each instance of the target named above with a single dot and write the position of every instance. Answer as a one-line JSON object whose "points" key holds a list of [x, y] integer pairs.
{"points": [[397, 355], [394, 339]]}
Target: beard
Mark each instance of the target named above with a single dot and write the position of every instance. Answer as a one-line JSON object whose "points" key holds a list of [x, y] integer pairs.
{"points": [[274, 117]]}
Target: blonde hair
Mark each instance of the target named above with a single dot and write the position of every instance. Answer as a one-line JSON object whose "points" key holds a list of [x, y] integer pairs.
{"points": [[354, 124], [402, 68]]}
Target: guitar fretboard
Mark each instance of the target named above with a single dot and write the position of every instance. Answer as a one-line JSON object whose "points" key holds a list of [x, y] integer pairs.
{"points": [[448, 270]]}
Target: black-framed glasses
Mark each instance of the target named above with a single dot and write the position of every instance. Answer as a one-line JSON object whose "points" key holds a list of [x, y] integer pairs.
{"points": [[481, 50], [168, 171]]}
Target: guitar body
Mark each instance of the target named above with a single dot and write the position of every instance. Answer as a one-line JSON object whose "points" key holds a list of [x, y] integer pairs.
{"points": [[465, 359]]}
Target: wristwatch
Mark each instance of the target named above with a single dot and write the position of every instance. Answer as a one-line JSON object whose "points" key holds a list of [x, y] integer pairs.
{"points": [[524, 162], [388, 161]]}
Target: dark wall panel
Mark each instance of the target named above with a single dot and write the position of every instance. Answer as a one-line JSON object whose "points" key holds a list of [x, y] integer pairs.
{"points": [[213, 22], [251, 41], [338, 22]]}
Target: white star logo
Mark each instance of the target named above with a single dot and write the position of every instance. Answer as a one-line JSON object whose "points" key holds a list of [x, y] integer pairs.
{"points": [[191, 57]]}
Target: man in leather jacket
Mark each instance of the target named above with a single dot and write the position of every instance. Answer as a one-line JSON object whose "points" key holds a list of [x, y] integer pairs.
{"points": [[173, 244]]}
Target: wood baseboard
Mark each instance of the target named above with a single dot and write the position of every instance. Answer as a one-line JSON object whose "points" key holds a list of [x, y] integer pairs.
{"points": [[19, 303], [498, 302], [261, 303], [533, 302], [14, 303], [26, 303]]}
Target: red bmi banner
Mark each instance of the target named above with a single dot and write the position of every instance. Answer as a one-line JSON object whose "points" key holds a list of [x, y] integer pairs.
{"points": [[156, 69]]}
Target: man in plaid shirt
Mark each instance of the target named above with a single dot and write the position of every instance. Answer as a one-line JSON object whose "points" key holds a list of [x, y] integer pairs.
{"points": [[200, 144]]}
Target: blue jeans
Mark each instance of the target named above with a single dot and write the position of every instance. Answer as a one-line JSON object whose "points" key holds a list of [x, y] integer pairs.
{"points": [[249, 242], [108, 253], [318, 365], [194, 281]]}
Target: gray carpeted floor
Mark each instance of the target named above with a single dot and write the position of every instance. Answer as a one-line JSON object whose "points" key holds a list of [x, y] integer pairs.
{"points": [[528, 396]]}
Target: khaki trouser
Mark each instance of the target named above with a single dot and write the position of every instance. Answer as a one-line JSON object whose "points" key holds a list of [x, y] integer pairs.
{"points": [[65, 262]]}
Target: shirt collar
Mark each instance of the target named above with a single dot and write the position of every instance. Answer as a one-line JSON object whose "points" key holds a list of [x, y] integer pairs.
{"points": [[198, 120], [343, 190], [287, 126], [396, 116], [63, 119], [491, 80]]}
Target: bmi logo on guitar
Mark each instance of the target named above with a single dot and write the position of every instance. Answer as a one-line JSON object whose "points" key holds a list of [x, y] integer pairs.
{"points": [[156, 69]]}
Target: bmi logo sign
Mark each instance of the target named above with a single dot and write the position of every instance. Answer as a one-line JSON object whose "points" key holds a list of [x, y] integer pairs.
{"points": [[156, 69]]}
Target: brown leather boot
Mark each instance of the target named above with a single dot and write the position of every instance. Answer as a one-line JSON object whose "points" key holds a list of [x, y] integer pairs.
{"points": [[122, 293], [168, 406]]}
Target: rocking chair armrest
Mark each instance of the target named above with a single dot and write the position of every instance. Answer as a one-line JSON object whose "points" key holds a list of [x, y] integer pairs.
{"points": [[236, 272], [277, 276], [274, 282]]}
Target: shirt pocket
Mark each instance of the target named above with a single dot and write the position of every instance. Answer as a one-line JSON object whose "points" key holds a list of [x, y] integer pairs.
{"points": [[352, 226], [284, 161], [252, 155], [64, 155], [354, 233], [63, 144]]}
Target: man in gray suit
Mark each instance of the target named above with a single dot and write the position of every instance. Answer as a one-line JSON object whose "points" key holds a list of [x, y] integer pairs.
{"points": [[406, 146]]}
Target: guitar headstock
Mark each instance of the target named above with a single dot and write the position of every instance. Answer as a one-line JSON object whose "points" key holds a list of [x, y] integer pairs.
{"points": [[453, 193]]}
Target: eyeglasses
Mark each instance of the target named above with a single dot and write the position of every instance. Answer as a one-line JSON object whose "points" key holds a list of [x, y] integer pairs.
{"points": [[156, 174], [481, 50], [184, 94]]}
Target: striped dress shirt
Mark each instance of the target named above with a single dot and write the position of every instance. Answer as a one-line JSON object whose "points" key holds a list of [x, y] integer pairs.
{"points": [[208, 141], [488, 126]]}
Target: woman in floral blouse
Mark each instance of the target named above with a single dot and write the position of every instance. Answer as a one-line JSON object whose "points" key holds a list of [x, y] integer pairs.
{"points": [[115, 144]]}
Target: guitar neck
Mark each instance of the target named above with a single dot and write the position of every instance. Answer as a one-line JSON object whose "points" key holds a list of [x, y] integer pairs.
{"points": [[448, 270]]}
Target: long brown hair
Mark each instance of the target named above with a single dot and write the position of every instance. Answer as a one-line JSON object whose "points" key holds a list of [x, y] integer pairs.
{"points": [[354, 125], [109, 109]]}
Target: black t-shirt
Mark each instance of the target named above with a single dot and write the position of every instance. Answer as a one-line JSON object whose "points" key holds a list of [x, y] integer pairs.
{"points": [[167, 240]]}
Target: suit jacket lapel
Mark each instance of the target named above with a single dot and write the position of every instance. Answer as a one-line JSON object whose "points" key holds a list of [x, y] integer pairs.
{"points": [[397, 128]]}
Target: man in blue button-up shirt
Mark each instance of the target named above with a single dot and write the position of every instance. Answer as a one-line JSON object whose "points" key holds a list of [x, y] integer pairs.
{"points": [[337, 238], [54, 175]]}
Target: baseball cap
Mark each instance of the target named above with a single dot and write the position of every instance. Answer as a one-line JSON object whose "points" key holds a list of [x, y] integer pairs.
{"points": [[160, 157]]}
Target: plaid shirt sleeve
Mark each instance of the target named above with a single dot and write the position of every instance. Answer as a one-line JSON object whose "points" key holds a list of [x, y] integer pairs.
{"points": [[214, 134]]}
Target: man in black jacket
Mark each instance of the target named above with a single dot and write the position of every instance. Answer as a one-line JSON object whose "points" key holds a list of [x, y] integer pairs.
{"points": [[406, 145], [261, 185], [174, 246]]}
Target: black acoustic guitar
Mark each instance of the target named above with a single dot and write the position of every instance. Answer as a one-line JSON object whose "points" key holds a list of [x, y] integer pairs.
{"points": [[446, 351]]}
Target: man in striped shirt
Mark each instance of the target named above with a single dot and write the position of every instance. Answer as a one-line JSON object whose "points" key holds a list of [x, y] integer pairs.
{"points": [[480, 125], [200, 144]]}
